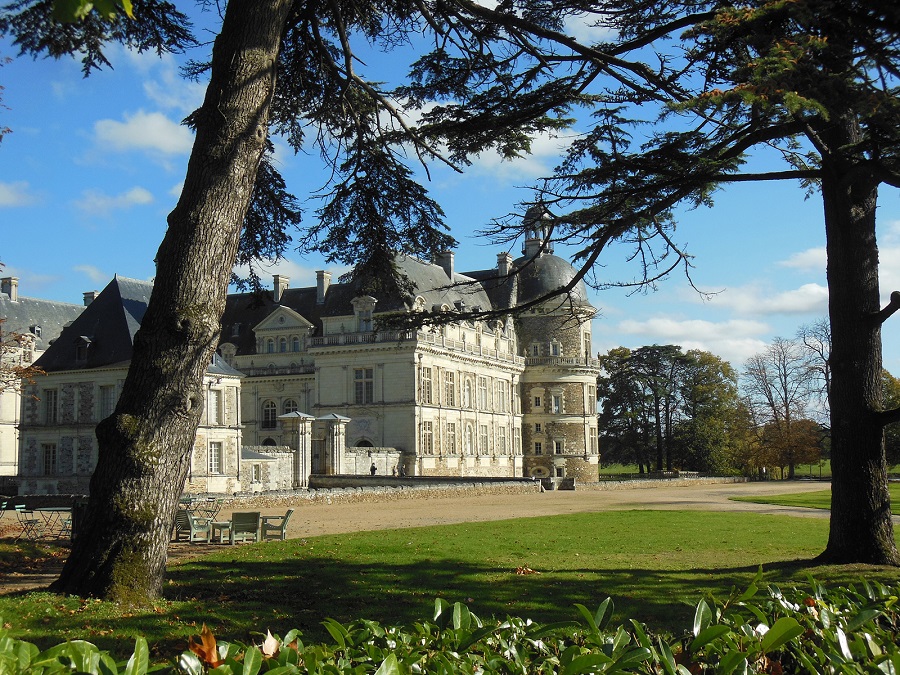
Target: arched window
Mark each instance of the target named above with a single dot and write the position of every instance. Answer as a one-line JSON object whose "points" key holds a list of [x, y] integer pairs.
{"points": [[289, 406], [269, 442], [270, 346], [269, 415], [282, 345], [295, 344], [467, 394], [364, 443]]}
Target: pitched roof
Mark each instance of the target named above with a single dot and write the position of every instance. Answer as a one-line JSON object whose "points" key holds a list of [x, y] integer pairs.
{"points": [[44, 319], [108, 325]]}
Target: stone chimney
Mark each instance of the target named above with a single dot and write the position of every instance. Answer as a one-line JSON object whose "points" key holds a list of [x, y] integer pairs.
{"points": [[323, 281], [10, 286], [504, 263], [89, 297], [281, 284], [445, 260]]}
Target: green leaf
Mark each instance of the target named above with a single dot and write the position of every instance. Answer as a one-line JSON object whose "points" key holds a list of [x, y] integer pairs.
{"points": [[461, 617], [389, 666], [140, 659], [440, 611], [730, 661], [252, 661], [586, 663], [784, 630], [604, 613], [702, 617], [589, 618], [190, 664], [337, 631], [864, 616], [708, 635]]}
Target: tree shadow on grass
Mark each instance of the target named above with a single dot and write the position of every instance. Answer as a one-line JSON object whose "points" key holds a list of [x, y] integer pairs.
{"points": [[242, 599]]}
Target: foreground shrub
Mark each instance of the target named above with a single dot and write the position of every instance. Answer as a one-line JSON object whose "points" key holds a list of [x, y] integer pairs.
{"points": [[845, 630]]}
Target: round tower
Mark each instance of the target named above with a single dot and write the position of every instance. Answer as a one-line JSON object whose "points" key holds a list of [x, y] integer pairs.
{"points": [[559, 384]]}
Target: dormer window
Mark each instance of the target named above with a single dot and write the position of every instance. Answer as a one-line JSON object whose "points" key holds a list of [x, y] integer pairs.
{"points": [[35, 330], [235, 330], [555, 349], [81, 349], [363, 307]]}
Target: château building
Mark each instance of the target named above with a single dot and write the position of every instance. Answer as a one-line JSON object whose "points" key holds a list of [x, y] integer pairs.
{"points": [[313, 380], [512, 396], [28, 327]]}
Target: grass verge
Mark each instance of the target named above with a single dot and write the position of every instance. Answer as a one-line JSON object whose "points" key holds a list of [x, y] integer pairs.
{"points": [[654, 564], [815, 500]]}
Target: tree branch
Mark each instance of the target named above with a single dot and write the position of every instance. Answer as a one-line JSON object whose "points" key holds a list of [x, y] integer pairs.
{"points": [[889, 309]]}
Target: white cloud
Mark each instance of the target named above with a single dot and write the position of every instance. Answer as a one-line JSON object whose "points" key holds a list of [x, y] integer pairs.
{"points": [[95, 202], [547, 150], [92, 273], [761, 300], [15, 194], [153, 132], [812, 259], [300, 275], [735, 340], [584, 29]]}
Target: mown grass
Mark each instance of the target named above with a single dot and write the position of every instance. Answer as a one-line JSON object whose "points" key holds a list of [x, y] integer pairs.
{"points": [[815, 500], [654, 564]]}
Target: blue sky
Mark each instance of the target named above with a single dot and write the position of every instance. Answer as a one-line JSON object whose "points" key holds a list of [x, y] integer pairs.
{"points": [[93, 166]]}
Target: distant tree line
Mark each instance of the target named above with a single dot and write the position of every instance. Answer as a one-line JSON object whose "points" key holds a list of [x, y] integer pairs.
{"points": [[663, 408]]}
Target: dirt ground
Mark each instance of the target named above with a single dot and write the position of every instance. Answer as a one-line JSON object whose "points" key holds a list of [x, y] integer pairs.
{"points": [[311, 520]]}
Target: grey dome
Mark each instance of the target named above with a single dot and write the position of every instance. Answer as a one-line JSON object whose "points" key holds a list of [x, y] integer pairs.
{"points": [[545, 274]]}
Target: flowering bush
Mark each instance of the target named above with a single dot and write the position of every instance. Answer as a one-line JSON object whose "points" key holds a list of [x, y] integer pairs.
{"points": [[814, 630]]}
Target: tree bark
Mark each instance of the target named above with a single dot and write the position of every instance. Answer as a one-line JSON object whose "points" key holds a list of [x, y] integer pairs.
{"points": [[861, 529], [145, 446]]}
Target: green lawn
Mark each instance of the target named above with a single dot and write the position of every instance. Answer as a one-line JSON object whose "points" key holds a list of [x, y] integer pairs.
{"points": [[816, 500], [654, 564]]}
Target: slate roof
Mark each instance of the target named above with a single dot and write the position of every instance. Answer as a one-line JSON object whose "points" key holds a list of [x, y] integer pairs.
{"points": [[25, 314], [108, 323]]}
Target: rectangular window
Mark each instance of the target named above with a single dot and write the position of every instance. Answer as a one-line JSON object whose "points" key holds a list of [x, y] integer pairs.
{"points": [[365, 320], [427, 438], [48, 450], [51, 406], [502, 396], [451, 438], [501, 440], [537, 427], [538, 448], [517, 441], [554, 349], [535, 349], [593, 440], [483, 439], [107, 401], [256, 475], [482, 393], [364, 381], [449, 389], [215, 407], [426, 386], [557, 405], [215, 458], [592, 399], [558, 447], [537, 402]]}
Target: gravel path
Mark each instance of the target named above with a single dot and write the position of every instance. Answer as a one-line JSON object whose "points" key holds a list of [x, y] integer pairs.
{"points": [[316, 519]]}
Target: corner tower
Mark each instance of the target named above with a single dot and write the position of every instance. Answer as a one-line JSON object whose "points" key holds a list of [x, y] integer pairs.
{"points": [[559, 384]]}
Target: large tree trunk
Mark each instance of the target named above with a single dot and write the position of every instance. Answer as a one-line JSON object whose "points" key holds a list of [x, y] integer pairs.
{"points": [[861, 529], [145, 447]]}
